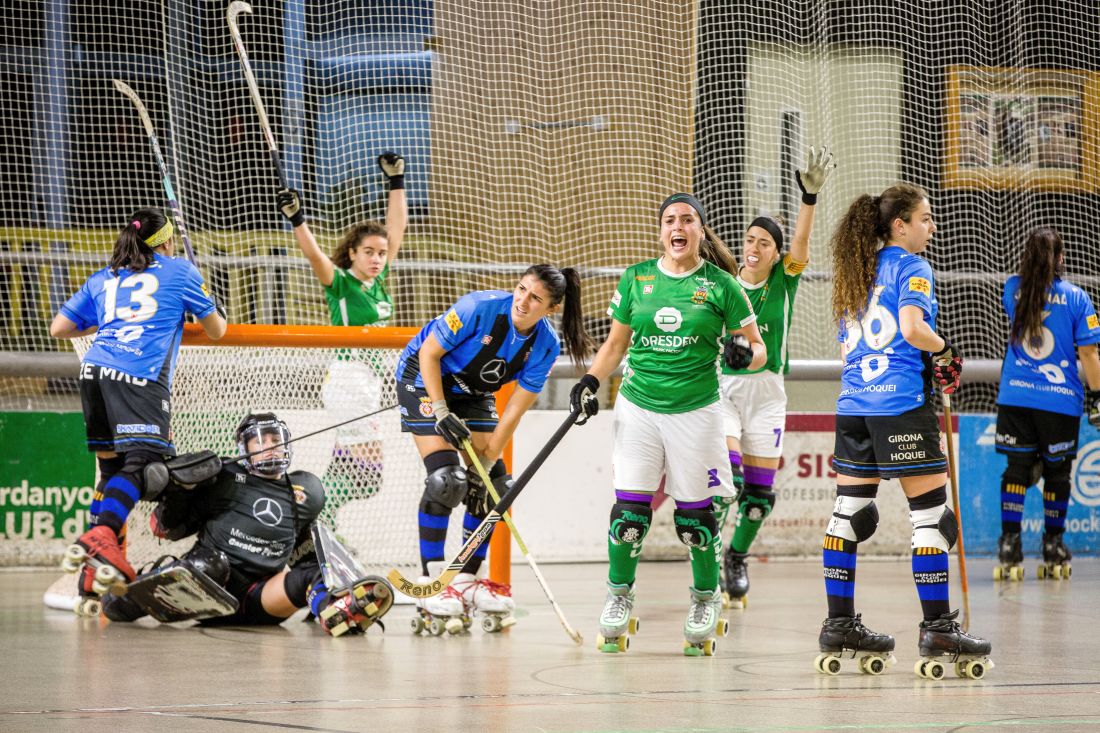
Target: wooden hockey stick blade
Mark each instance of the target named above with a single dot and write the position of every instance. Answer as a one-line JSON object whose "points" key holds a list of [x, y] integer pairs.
{"points": [[479, 535]]}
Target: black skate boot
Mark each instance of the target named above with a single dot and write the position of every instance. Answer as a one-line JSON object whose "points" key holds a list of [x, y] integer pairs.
{"points": [[735, 579], [944, 639], [1010, 553], [1056, 557], [846, 636]]}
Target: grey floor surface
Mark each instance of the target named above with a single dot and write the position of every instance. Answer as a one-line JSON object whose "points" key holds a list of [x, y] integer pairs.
{"points": [[62, 673]]}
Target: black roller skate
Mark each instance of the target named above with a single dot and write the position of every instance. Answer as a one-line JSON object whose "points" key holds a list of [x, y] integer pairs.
{"points": [[847, 637], [943, 639], [1056, 557], [735, 579], [1010, 553]]}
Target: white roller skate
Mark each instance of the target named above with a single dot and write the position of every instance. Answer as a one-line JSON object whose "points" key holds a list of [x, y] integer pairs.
{"points": [[703, 623], [616, 621], [439, 613], [845, 637], [943, 640], [488, 599]]}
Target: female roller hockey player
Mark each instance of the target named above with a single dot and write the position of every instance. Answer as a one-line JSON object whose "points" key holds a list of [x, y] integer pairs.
{"points": [[253, 517], [355, 281], [886, 427], [136, 307], [446, 378], [667, 317], [754, 402], [1039, 402]]}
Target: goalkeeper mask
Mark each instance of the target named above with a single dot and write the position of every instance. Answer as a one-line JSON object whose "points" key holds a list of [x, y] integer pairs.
{"points": [[267, 430]]}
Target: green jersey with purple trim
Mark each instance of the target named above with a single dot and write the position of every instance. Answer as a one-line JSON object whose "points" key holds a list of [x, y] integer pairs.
{"points": [[772, 301], [677, 321]]}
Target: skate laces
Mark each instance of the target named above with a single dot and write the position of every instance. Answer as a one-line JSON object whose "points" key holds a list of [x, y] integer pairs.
{"points": [[617, 607], [700, 610], [497, 589]]}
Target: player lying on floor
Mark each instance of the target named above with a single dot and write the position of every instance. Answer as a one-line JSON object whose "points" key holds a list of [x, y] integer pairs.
{"points": [[253, 520]]}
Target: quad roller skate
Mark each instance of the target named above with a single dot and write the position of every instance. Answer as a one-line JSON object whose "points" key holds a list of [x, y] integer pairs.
{"points": [[439, 613], [364, 604], [616, 621], [102, 567], [846, 637], [735, 579], [1056, 557], [485, 598], [1010, 553], [943, 640], [703, 623]]}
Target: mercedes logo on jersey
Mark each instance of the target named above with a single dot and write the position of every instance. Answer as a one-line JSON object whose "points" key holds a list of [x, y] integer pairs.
{"points": [[493, 371], [267, 511]]}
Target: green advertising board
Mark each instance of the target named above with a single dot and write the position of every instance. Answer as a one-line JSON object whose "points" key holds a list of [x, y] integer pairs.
{"points": [[46, 475]]}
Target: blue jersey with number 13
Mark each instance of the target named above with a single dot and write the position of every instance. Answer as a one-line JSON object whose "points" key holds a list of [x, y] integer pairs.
{"points": [[883, 373]]}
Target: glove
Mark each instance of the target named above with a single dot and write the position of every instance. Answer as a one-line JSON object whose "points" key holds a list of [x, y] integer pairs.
{"points": [[290, 203], [818, 167], [947, 367], [393, 166], [219, 308], [736, 353], [1092, 407], [583, 400], [450, 427], [478, 503]]}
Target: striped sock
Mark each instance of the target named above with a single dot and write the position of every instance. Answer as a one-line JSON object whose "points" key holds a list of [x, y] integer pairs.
{"points": [[839, 559], [1012, 505], [930, 573]]}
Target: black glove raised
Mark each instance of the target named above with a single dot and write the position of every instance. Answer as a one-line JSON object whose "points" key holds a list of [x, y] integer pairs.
{"points": [[947, 367], [1092, 407], [449, 426], [583, 400], [736, 352], [290, 203], [393, 166]]}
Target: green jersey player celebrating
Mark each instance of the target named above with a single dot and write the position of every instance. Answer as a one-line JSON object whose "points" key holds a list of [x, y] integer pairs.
{"points": [[753, 401], [355, 288], [667, 317]]}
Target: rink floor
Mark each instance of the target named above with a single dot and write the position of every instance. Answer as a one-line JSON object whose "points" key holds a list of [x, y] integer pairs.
{"points": [[69, 674]]}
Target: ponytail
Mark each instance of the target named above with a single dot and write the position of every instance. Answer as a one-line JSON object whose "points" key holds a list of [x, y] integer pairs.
{"points": [[132, 249], [1038, 268], [565, 285], [714, 250]]}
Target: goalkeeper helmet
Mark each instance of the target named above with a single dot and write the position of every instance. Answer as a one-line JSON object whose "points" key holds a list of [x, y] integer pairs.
{"points": [[269, 432]]}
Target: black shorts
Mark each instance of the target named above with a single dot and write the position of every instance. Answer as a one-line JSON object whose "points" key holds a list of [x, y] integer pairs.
{"points": [[250, 608], [889, 446], [479, 411], [1028, 432], [122, 413]]}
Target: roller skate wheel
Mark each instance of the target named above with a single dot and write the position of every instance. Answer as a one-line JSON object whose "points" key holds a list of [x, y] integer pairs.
{"points": [[1017, 572], [690, 650], [467, 622], [997, 572], [340, 629], [436, 627], [872, 665], [371, 609], [931, 670], [624, 643], [380, 591], [89, 607], [1041, 572], [507, 621], [1067, 571], [743, 601], [454, 626], [489, 624], [830, 665], [723, 627], [1057, 572], [633, 625], [975, 669], [108, 578], [710, 646], [817, 662], [725, 600], [74, 557], [416, 624]]}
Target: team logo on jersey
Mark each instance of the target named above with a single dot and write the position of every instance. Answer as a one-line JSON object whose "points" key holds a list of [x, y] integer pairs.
{"points": [[920, 285], [700, 295], [385, 310], [268, 511], [486, 340], [426, 407], [668, 319], [453, 321], [616, 298], [647, 289], [299, 494], [645, 278], [241, 478], [493, 371], [1093, 321], [164, 406], [204, 290]]}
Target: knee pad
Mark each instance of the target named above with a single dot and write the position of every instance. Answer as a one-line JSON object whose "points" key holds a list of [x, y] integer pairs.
{"points": [[696, 527], [757, 502], [630, 522], [446, 483], [212, 563], [147, 472], [1022, 470], [855, 518], [934, 527], [298, 581]]}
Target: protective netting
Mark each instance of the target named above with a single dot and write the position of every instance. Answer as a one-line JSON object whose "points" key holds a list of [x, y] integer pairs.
{"points": [[541, 131]]}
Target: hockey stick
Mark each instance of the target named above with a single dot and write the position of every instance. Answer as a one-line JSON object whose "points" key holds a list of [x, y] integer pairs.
{"points": [[173, 202], [481, 534], [476, 462], [951, 465], [236, 8]]}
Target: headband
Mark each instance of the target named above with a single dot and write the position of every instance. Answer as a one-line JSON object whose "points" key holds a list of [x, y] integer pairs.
{"points": [[684, 198], [160, 236], [768, 224]]}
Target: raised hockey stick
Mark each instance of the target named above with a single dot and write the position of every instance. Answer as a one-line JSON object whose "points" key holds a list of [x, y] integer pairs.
{"points": [[173, 202], [236, 8], [951, 472], [481, 534], [476, 462]]}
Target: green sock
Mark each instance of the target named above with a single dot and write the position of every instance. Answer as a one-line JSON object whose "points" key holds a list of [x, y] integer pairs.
{"points": [[623, 557], [751, 513], [705, 564]]}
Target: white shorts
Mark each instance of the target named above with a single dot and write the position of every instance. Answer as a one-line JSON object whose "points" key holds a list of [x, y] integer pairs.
{"points": [[352, 388], [754, 408], [685, 447]]}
